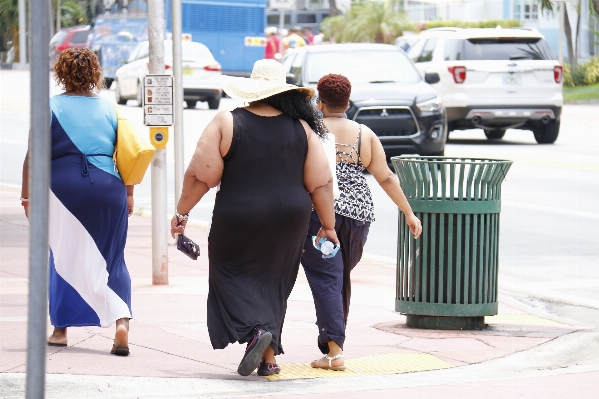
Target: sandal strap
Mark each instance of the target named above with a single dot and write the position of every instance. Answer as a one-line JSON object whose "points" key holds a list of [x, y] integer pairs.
{"points": [[331, 358]]}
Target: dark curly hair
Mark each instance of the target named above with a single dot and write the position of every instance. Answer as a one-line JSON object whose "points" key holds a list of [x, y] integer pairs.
{"points": [[334, 90], [78, 70], [297, 105]]}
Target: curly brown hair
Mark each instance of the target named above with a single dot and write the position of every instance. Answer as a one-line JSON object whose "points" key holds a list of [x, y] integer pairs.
{"points": [[78, 70], [334, 90]]}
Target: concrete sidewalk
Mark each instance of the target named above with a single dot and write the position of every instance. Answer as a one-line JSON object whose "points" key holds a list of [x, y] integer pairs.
{"points": [[521, 354]]}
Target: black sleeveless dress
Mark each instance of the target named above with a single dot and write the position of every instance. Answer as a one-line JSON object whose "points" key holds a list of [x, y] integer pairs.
{"points": [[260, 221]]}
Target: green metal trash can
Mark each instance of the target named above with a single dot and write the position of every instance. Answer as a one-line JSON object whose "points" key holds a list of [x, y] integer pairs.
{"points": [[447, 279]]}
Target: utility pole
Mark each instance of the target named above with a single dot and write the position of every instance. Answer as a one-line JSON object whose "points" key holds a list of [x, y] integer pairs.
{"points": [[178, 98], [584, 52], [159, 214], [58, 21], [562, 13], [39, 187], [22, 35]]}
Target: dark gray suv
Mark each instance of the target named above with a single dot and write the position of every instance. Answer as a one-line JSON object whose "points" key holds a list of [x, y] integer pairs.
{"points": [[388, 94]]}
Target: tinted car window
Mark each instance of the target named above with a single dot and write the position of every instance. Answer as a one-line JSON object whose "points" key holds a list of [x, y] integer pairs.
{"points": [[498, 49], [362, 66], [427, 51], [416, 50], [80, 37]]}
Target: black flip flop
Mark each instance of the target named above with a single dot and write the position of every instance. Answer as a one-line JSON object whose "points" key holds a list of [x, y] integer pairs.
{"points": [[120, 350], [58, 345], [253, 353]]}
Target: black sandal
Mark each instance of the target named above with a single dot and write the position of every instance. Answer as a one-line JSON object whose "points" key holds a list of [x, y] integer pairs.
{"points": [[254, 351], [267, 369], [120, 350]]}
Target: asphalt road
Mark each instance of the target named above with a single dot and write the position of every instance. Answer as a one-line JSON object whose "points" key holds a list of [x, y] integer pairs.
{"points": [[549, 243]]}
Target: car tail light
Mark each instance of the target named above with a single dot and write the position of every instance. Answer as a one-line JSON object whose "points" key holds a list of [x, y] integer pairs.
{"points": [[166, 66], [458, 73], [62, 47], [558, 73], [214, 67]]}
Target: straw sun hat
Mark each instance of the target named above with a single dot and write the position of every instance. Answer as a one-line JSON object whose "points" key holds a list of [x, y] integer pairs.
{"points": [[267, 79]]}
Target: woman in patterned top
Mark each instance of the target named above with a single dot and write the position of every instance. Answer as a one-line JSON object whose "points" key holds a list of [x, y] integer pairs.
{"points": [[358, 148]]}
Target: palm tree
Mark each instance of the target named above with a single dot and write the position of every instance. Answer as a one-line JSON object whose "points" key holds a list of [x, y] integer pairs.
{"points": [[367, 21], [9, 25]]}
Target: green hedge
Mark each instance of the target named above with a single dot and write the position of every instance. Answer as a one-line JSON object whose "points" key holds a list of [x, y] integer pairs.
{"points": [[492, 23], [585, 75]]}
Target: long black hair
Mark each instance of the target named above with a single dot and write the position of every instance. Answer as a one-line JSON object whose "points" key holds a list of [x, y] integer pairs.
{"points": [[297, 105]]}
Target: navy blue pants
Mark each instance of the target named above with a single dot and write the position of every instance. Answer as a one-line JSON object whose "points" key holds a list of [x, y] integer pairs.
{"points": [[329, 279]]}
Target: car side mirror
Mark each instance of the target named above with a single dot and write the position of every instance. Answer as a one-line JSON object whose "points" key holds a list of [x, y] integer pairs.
{"points": [[290, 79], [432, 78]]}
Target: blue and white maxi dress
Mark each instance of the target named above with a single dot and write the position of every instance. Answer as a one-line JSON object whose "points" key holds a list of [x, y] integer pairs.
{"points": [[89, 281]]}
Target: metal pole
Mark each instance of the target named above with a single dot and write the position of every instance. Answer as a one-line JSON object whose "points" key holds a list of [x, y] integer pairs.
{"points": [[561, 32], [22, 37], [178, 98], [584, 52], [39, 184], [281, 27], [58, 21], [159, 215]]}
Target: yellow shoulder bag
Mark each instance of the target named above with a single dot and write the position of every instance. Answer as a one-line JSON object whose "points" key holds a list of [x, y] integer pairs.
{"points": [[132, 153]]}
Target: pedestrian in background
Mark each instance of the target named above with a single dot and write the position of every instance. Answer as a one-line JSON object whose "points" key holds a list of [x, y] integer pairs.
{"points": [[271, 168], [293, 40], [271, 50], [89, 283], [308, 36], [358, 148]]}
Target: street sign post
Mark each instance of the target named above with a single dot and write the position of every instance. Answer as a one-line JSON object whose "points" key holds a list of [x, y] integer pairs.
{"points": [[158, 100], [157, 94]]}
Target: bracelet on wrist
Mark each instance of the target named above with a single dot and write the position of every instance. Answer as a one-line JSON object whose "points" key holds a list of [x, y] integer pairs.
{"points": [[24, 199], [181, 217]]}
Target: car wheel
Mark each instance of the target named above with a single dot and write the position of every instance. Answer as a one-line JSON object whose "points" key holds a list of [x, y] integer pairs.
{"points": [[495, 134], [108, 82], [140, 95], [191, 103], [117, 94], [213, 103], [547, 134]]}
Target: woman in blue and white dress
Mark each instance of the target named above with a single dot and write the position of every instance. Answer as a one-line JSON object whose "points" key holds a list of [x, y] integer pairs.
{"points": [[89, 205]]}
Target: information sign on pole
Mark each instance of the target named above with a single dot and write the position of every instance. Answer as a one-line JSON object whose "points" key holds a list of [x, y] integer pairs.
{"points": [[158, 100]]}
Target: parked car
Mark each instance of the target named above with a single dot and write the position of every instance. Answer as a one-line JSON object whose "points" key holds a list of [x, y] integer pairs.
{"points": [[388, 95], [68, 38], [494, 79], [201, 74]]}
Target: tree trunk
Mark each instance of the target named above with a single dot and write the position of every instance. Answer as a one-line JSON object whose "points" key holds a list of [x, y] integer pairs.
{"points": [[333, 10], [14, 35], [568, 31]]}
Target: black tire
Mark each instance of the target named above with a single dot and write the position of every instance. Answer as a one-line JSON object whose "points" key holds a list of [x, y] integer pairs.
{"points": [[108, 82], [191, 103], [547, 134], [117, 94], [140, 95], [213, 103], [495, 134]]}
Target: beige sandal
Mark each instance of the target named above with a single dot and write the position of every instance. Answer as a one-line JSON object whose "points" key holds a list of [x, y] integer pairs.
{"points": [[330, 366]]}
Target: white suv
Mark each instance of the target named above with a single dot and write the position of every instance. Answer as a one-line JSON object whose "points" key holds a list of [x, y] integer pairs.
{"points": [[494, 79]]}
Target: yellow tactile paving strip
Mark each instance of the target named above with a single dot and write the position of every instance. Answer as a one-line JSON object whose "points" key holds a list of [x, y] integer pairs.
{"points": [[521, 318], [389, 363]]}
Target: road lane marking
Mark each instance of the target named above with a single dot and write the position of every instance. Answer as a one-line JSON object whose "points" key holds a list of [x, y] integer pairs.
{"points": [[12, 141], [550, 209]]}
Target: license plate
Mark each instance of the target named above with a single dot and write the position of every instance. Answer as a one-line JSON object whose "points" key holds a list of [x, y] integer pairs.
{"points": [[187, 71], [512, 79]]}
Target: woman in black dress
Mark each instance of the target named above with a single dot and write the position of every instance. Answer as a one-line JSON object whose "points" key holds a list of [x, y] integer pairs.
{"points": [[271, 168]]}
